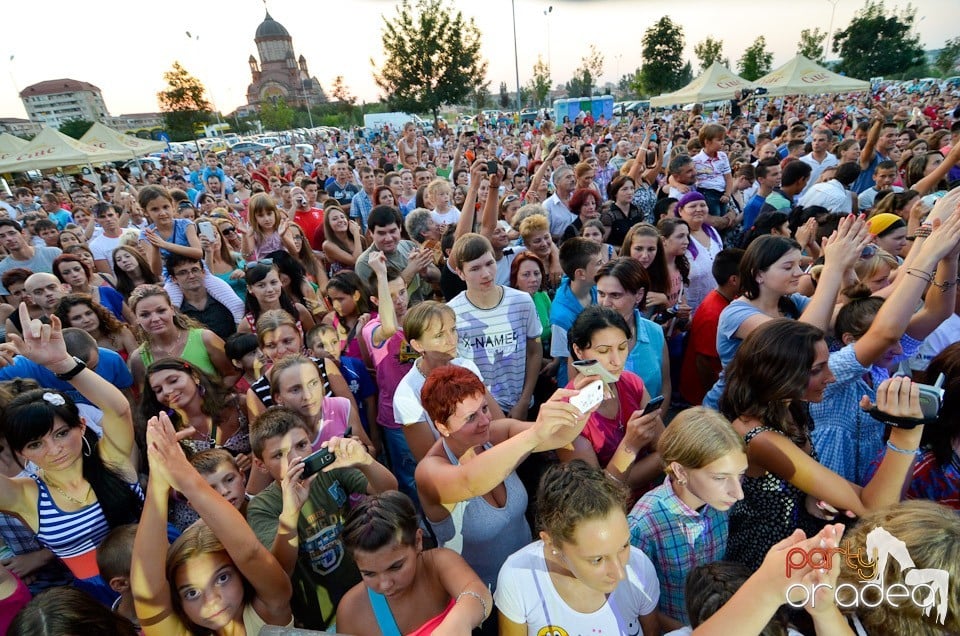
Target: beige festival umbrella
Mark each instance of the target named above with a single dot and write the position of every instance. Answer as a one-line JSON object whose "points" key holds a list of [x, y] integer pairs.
{"points": [[106, 138], [802, 76], [714, 84], [52, 149]]}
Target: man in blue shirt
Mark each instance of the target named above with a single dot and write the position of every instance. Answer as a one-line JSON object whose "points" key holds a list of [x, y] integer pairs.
{"points": [[580, 259], [880, 138], [104, 362], [51, 205], [768, 180]]}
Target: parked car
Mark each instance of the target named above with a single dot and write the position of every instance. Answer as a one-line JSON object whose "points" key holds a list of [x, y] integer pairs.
{"points": [[306, 149], [249, 146], [148, 163]]}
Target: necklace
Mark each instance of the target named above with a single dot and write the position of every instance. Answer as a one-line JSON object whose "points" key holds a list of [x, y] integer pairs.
{"points": [[170, 349], [79, 502]]}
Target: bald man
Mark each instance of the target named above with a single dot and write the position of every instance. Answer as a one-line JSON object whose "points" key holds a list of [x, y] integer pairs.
{"points": [[46, 290]]}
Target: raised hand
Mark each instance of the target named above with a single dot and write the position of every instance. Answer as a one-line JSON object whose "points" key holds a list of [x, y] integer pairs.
{"points": [[899, 397], [42, 343], [164, 453], [845, 245], [378, 263]]}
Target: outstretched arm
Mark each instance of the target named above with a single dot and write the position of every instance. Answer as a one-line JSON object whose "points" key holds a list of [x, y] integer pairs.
{"points": [[272, 587]]}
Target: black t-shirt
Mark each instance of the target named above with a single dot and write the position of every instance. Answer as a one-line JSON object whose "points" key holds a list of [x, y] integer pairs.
{"points": [[215, 317], [450, 283]]}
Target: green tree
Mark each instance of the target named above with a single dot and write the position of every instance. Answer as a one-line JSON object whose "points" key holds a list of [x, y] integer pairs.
{"points": [[480, 95], [432, 57], [183, 103], [811, 44], [504, 98], [662, 57], [341, 93], [756, 60], [709, 51], [75, 128], [277, 115], [540, 84], [947, 58], [878, 43], [581, 84]]}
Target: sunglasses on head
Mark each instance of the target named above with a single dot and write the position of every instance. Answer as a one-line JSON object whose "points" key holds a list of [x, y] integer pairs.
{"points": [[262, 261]]}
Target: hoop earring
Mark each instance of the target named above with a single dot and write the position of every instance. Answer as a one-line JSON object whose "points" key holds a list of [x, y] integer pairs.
{"points": [[87, 449], [202, 390]]}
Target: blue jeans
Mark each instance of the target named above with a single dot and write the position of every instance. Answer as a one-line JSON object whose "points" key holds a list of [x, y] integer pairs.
{"points": [[402, 463]]}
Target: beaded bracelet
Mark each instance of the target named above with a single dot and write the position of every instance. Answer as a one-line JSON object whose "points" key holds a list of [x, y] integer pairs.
{"points": [[923, 231], [483, 603], [897, 449]]}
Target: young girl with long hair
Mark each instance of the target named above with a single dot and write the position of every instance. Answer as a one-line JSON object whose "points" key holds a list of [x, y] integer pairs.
{"points": [[315, 273], [265, 292], [405, 589], [222, 261], [80, 311], [70, 270], [216, 578], [348, 296], [268, 228], [132, 270], [642, 243], [344, 240]]}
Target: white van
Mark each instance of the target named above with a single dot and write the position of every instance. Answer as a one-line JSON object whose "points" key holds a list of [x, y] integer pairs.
{"points": [[395, 121]]}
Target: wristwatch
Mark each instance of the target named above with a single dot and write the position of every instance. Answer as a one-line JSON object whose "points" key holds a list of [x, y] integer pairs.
{"points": [[74, 372]]}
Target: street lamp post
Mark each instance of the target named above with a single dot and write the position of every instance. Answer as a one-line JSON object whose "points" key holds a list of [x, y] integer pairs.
{"points": [[196, 38], [516, 58], [830, 29], [546, 13]]}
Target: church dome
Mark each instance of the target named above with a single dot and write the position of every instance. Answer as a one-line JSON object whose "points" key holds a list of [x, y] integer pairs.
{"points": [[271, 28]]}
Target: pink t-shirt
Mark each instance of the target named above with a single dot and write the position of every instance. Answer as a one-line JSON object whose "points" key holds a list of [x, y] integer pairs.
{"points": [[335, 420], [391, 361], [605, 434]]}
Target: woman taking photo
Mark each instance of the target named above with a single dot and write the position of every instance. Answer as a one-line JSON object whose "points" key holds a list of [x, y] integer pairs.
{"points": [[405, 590], [132, 270], [344, 242], [618, 436], [582, 574], [70, 270], [166, 333], [622, 286], [85, 485], [80, 311], [468, 487], [780, 368], [265, 292]]}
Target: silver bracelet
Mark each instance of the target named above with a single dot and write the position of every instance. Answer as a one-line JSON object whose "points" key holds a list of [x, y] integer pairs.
{"points": [[483, 603]]}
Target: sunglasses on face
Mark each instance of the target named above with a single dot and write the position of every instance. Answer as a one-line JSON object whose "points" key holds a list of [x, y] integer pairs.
{"points": [[228, 231]]}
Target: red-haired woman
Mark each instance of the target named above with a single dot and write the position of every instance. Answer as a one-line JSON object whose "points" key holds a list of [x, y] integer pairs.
{"points": [[468, 486]]}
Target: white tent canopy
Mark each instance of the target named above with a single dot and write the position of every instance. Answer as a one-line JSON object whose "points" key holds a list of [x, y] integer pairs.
{"points": [[802, 76], [106, 138], [716, 83], [11, 143], [52, 149]]}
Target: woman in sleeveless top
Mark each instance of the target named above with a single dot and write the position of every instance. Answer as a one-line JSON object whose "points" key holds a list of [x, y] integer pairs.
{"points": [[428, 590], [778, 369], [166, 333], [468, 486], [583, 575], [84, 486]]}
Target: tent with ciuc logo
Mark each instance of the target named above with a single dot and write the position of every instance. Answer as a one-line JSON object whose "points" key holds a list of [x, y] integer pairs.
{"points": [[52, 149], [106, 138], [714, 84], [802, 76]]}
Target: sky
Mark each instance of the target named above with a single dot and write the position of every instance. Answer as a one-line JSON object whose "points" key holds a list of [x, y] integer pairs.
{"points": [[125, 50]]}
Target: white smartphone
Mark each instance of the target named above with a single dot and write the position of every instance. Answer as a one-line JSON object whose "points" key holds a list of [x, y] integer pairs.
{"points": [[589, 396], [593, 367], [206, 229]]}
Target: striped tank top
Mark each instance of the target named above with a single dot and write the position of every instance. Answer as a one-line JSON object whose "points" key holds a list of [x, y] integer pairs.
{"points": [[73, 536]]}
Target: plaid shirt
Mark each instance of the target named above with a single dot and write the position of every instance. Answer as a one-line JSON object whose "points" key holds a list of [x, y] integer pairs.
{"points": [[677, 539], [603, 177], [360, 209]]}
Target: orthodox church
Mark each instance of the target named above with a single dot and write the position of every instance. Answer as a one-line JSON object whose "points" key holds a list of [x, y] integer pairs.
{"points": [[279, 73]]}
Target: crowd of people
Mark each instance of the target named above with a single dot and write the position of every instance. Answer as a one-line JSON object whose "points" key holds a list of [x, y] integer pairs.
{"points": [[600, 376]]}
